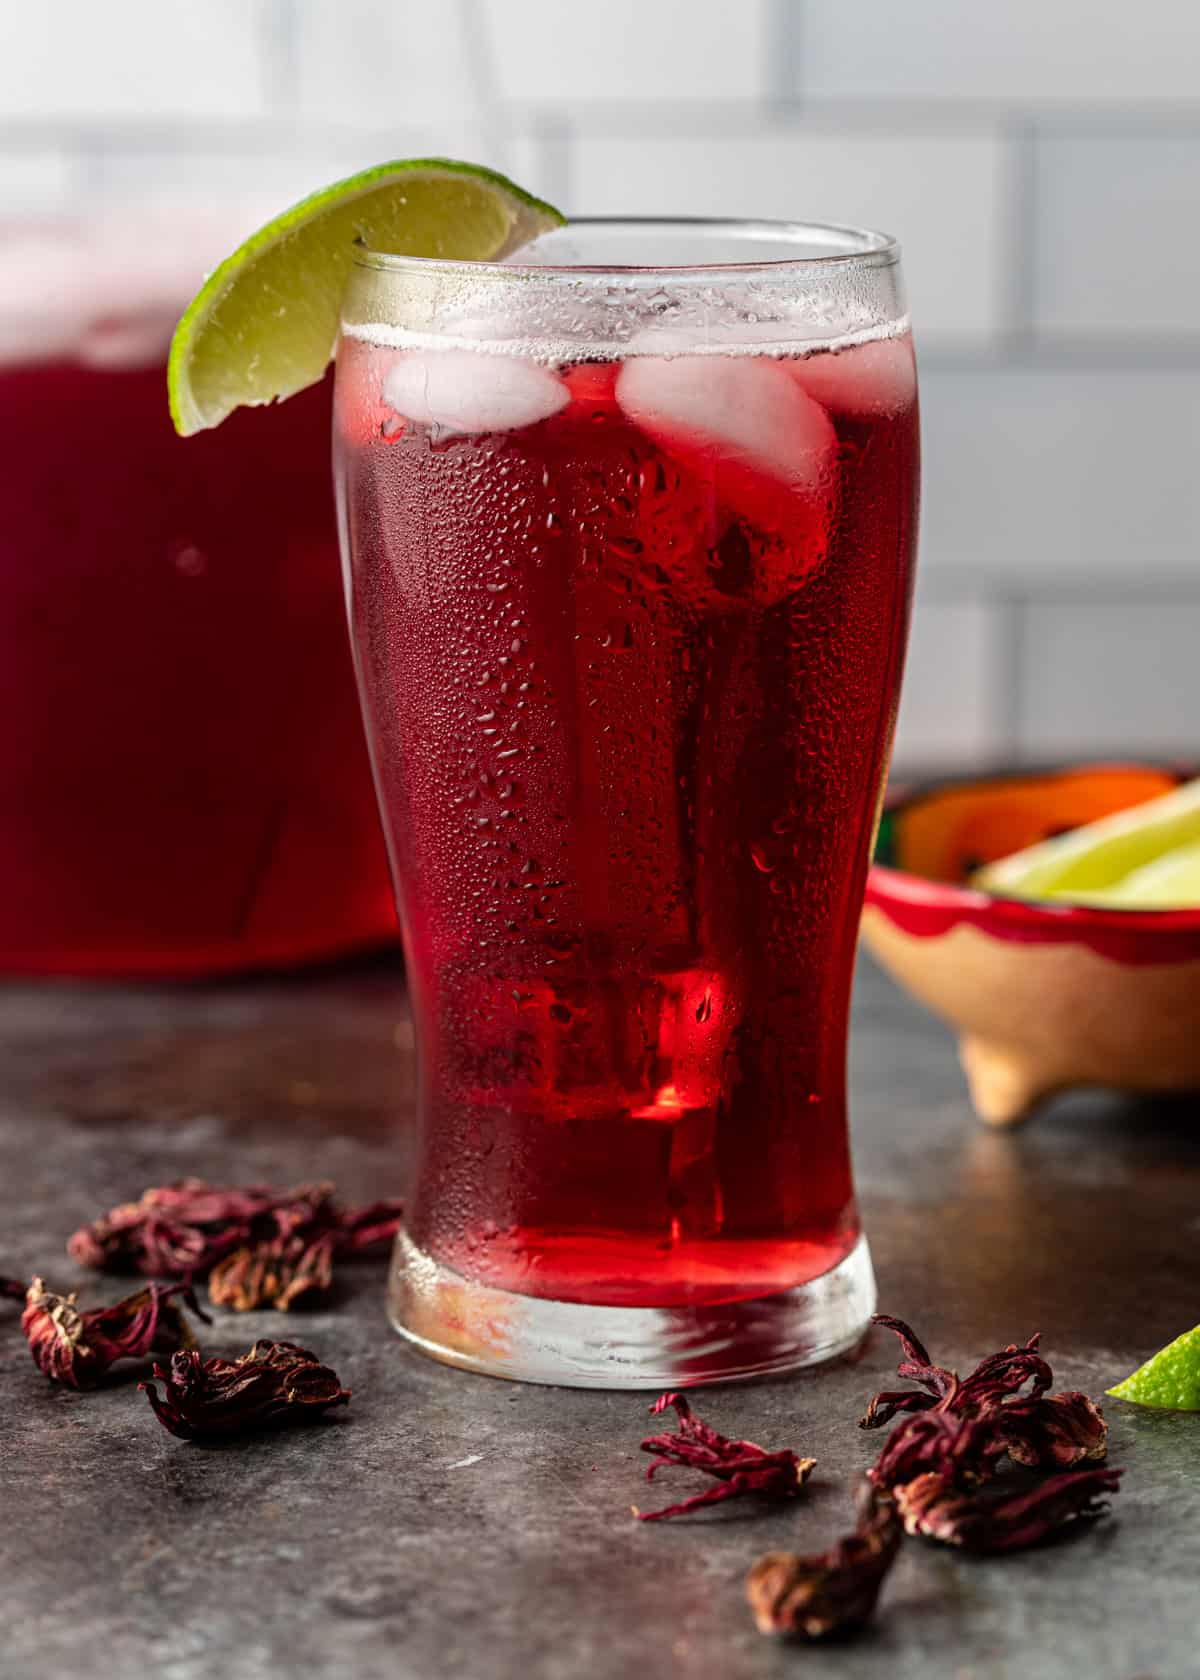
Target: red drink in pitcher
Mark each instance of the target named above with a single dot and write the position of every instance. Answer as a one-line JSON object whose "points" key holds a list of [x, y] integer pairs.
{"points": [[183, 781], [630, 631]]}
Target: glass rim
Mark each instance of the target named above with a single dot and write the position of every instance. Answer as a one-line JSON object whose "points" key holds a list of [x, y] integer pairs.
{"points": [[869, 248]]}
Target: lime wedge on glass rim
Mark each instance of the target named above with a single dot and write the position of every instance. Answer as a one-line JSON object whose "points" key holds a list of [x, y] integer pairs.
{"points": [[264, 324]]}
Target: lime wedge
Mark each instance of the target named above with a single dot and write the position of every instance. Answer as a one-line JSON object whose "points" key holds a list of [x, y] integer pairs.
{"points": [[263, 325], [1092, 864], [1169, 882], [1171, 1380]]}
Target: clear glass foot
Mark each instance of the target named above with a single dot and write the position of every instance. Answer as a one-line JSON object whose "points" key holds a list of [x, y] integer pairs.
{"points": [[533, 1340]]}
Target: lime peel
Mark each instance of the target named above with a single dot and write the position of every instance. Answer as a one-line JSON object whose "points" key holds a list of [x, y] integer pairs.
{"points": [[264, 324], [1170, 1380]]}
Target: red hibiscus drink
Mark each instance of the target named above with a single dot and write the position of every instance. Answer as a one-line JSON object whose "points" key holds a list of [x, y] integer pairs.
{"points": [[629, 559], [185, 787]]}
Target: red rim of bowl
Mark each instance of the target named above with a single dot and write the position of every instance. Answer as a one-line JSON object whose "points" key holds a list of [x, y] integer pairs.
{"points": [[892, 885], [926, 907]]}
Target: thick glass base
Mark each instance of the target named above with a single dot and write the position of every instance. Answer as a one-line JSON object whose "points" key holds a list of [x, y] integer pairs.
{"points": [[534, 1340]]}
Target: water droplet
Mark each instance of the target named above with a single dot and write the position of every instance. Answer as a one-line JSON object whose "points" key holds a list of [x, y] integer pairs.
{"points": [[188, 560]]}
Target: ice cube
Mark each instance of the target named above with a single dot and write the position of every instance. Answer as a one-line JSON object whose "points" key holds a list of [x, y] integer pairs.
{"points": [[743, 427], [732, 409], [464, 391], [875, 378]]}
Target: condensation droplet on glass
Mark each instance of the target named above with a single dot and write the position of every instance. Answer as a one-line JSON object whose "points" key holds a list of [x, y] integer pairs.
{"points": [[188, 560]]}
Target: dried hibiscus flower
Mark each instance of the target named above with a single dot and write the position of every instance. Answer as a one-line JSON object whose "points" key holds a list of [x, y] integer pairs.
{"points": [[276, 1273], [175, 1230], [937, 1476], [998, 1375], [1052, 1432], [916, 1363], [77, 1348], [274, 1384], [738, 1466], [369, 1229], [828, 1592], [273, 1246], [933, 1507], [961, 1429], [963, 1449]]}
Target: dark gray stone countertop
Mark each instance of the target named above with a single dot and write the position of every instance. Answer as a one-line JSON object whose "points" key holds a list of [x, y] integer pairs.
{"points": [[454, 1525]]}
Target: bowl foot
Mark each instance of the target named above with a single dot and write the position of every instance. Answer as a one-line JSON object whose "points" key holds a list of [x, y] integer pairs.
{"points": [[1005, 1086]]}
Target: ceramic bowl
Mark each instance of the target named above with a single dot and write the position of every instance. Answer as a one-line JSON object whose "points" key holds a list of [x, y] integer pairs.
{"points": [[1043, 996]]}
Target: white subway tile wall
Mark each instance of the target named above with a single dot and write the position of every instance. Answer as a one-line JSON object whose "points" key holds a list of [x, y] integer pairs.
{"points": [[953, 702], [900, 182], [372, 61], [555, 53], [1083, 477], [1041, 165], [205, 173], [1116, 250], [1120, 672], [134, 60], [1064, 52]]}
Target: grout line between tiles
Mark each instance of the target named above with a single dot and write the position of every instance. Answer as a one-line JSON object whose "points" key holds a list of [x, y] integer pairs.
{"points": [[783, 46], [279, 42], [1007, 701], [1020, 293], [494, 121]]}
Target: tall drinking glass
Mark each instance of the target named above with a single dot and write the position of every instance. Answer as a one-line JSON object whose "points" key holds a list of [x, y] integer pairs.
{"points": [[628, 532]]}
